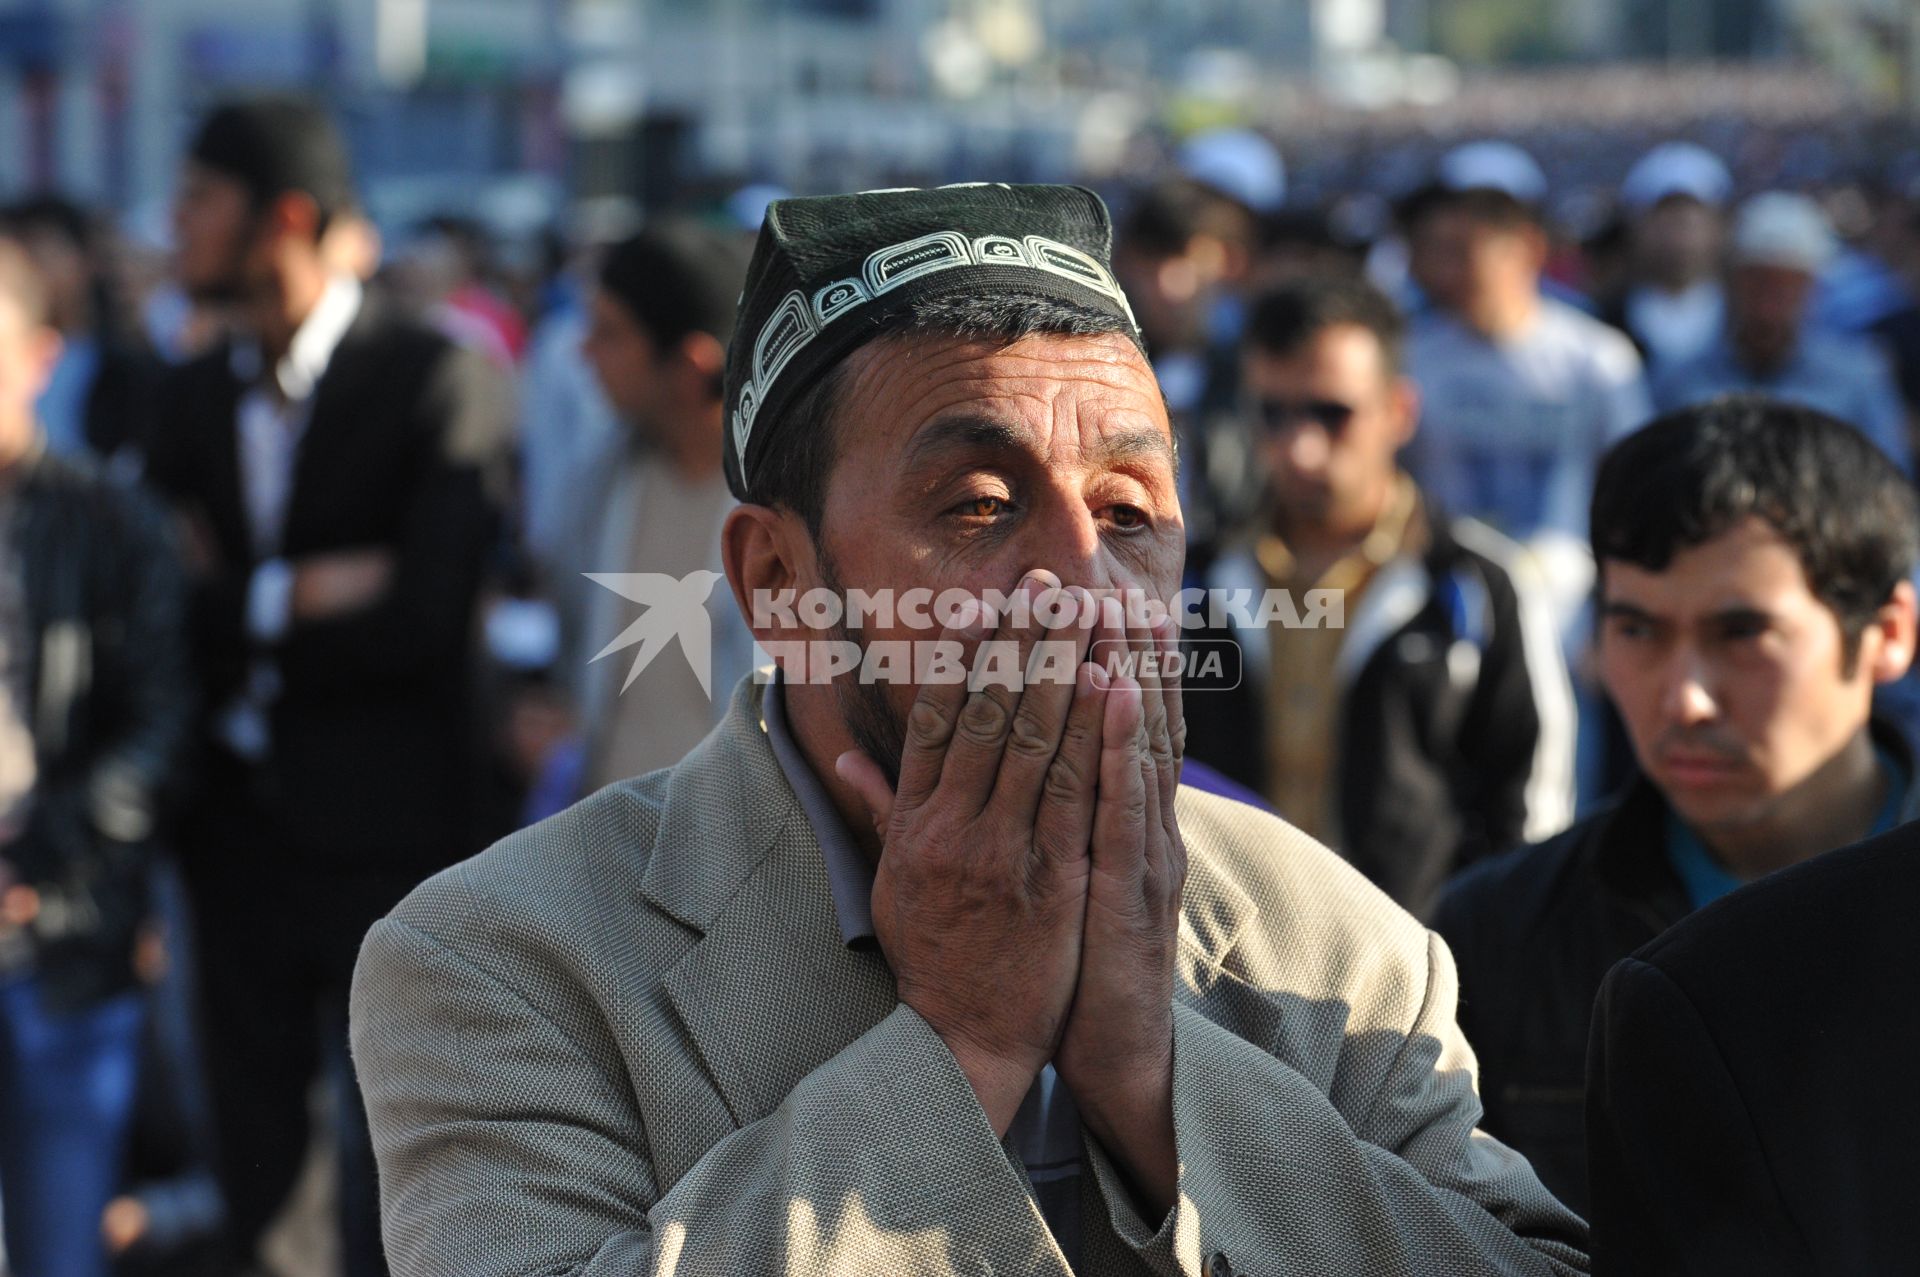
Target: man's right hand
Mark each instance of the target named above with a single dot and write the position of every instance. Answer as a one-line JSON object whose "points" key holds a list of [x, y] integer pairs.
{"points": [[330, 585], [980, 898]]}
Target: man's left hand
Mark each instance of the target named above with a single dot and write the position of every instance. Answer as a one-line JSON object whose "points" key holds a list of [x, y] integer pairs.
{"points": [[1116, 1056]]}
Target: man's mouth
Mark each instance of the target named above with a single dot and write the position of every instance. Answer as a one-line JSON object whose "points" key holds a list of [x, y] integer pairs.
{"points": [[1698, 768]]}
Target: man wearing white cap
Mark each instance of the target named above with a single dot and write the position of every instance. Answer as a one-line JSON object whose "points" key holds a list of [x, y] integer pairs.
{"points": [[1521, 391], [1781, 243], [1673, 306]]}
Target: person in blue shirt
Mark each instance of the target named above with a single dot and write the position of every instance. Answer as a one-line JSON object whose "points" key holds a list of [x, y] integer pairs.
{"points": [[1755, 588], [1781, 243]]}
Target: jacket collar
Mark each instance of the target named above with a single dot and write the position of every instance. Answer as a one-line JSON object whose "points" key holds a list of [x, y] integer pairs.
{"points": [[770, 991]]}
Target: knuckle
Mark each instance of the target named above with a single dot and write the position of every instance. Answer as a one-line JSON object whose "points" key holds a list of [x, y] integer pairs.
{"points": [[1066, 779], [926, 724], [984, 719], [1030, 738]]}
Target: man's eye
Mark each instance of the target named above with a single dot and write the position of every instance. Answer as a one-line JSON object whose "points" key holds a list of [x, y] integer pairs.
{"points": [[982, 507], [1127, 517]]}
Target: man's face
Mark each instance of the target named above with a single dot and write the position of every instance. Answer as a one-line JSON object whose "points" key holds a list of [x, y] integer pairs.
{"points": [[214, 229], [28, 352], [1730, 674], [1766, 305], [1330, 418], [962, 465], [63, 267], [624, 358], [1677, 241], [1460, 261]]}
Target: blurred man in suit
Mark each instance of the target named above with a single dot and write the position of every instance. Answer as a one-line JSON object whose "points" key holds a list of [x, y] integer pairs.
{"points": [[335, 468], [1743, 1089]]}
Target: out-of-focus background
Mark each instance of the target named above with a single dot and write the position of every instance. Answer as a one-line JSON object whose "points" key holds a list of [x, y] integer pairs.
{"points": [[523, 112], [501, 148]]}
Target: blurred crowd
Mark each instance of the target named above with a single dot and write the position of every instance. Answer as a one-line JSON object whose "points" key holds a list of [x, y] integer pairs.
{"points": [[296, 607]]}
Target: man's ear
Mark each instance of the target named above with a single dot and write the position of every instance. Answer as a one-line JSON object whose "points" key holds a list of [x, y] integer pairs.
{"points": [[769, 558], [1405, 397], [705, 360], [1894, 624], [291, 214]]}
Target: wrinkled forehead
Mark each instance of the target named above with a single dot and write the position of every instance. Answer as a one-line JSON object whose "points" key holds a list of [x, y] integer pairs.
{"points": [[917, 399]]}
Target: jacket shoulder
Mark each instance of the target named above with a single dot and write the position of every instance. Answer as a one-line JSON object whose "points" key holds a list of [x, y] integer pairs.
{"points": [[543, 893], [1845, 901], [1508, 894], [1321, 928]]}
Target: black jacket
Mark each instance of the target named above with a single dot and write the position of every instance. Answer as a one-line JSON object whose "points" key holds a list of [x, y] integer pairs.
{"points": [[1455, 730], [111, 705], [1751, 1097], [374, 749], [1534, 933]]}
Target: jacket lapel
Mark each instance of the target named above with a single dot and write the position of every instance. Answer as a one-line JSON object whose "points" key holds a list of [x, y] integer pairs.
{"points": [[769, 992]]}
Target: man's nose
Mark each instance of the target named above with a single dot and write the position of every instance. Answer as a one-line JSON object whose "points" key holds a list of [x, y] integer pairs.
{"points": [[1067, 542], [1687, 697], [1307, 448]]}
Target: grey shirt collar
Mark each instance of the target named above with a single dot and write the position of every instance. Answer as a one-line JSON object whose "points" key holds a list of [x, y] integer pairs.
{"points": [[849, 875]]}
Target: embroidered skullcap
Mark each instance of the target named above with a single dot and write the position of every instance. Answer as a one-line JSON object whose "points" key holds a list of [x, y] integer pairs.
{"points": [[276, 145], [830, 273]]}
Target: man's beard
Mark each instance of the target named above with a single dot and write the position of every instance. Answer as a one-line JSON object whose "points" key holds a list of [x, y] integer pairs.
{"points": [[869, 716]]}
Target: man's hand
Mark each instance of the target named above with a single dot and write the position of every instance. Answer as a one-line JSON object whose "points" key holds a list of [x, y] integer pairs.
{"points": [[982, 886], [330, 585], [1117, 1054]]}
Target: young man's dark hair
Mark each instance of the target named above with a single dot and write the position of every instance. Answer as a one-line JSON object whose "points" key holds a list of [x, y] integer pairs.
{"points": [[1692, 475], [677, 278], [1287, 319], [50, 213], [1167, 215], [274, 145], [1489, 207]]}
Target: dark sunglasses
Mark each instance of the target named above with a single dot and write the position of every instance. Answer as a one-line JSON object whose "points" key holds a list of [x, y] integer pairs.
{"points": [[1330, 415]]}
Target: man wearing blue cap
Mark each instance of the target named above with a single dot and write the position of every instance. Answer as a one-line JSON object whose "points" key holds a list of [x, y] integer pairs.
{"points": [[931, 975]]}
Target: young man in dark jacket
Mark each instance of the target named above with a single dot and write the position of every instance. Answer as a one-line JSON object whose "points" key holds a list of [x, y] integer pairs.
{"points": [[94, 705], [1755, 563], [338, 466], [1433, 723]]}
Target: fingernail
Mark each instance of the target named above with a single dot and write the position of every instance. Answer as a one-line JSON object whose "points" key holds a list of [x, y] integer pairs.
{"points": [[1038, 581], [1098, 677]]}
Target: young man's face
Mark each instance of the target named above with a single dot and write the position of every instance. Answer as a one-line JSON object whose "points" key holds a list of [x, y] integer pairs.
{"points": [[1331, 418], [624, 358], [1731, 676], [214, 228], [28, 352], [1463, 261]]}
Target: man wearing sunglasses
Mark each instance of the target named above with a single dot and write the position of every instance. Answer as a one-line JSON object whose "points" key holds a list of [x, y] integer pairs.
{"points": [[1435, 725]]}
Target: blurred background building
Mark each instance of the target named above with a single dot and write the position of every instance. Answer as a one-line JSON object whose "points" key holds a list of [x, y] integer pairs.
{"points": [[648, 99]]}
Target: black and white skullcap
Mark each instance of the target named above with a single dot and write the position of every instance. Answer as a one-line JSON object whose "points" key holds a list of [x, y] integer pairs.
{"points": [[830, 273]]}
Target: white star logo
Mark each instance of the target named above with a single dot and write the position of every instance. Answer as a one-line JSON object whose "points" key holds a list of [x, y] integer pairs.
{"points": [[674, 608]]}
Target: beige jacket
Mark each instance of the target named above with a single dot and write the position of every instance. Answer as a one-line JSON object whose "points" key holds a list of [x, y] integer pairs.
{"points": [[630, 1041]]}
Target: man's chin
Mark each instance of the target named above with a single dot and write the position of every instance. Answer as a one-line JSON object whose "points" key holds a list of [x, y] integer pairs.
{"points": [[870, 719], [219, 292]]}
